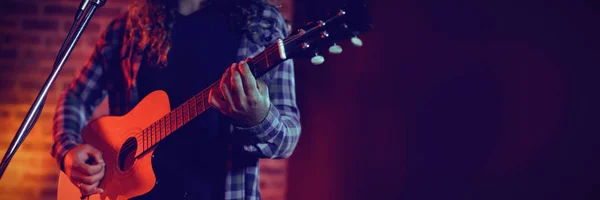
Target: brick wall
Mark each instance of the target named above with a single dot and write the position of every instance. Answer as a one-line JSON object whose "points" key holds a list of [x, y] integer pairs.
{"points": [[31, 32]]}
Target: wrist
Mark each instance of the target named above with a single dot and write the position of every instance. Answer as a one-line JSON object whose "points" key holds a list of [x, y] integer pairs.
{"points": [[256, 119], [63, 158], [263, 130]]}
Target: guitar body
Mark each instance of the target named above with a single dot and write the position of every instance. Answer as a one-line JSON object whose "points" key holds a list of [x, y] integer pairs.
{"points": [[125, 177]]}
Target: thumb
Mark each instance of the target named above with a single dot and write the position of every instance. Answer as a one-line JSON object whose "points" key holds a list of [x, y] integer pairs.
{"points": [[96, 155]]}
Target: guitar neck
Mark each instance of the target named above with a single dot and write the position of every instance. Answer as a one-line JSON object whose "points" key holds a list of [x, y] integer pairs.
{"points": [[193, 107]]}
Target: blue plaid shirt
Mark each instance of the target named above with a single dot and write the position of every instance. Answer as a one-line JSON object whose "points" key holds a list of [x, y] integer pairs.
{"points": [[111, 71]]}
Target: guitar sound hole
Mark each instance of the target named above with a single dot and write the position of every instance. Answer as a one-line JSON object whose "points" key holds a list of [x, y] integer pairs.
{"points": [[127, 154]]}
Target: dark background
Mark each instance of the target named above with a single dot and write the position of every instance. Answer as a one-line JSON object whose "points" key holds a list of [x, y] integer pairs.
{"points": [[463, 99]]}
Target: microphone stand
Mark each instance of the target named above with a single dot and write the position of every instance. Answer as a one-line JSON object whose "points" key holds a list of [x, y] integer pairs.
{"points": [[63, 55]]}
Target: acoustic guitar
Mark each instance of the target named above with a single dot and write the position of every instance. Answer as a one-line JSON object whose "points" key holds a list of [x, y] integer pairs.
{"points": [[128, 142]]}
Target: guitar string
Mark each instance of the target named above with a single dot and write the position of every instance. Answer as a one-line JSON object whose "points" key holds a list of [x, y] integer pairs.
{"points": [[178, 120], [148, 137], [152, 135], [139, 137]]}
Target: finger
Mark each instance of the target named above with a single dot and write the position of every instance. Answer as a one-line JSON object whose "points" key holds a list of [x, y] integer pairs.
{"points": [[86, 169], [236, 82], [248, 79], [263, 89], [224, 82], [87, 189], [215, 100], [216, 92], [225, 88], [87, 179], [96, 155]]}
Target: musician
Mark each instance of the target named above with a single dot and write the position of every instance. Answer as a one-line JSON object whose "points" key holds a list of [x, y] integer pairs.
{"points": [[181, 47]]}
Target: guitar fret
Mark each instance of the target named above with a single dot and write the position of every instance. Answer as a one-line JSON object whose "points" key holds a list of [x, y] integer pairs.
{"points": [[158, 130], [185, 112], [202, 97], [175, 119], [193, 112], [164, 122], [163, 128], [199, 103], [160, 127], [154, 134], [151, 135], [179, 117], [206, 101], [143, 140], [147, 140], [173, 124], [167, 128], [168, 124]]}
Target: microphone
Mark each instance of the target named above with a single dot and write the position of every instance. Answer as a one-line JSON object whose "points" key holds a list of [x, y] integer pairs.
{"points": [[82, 6]]}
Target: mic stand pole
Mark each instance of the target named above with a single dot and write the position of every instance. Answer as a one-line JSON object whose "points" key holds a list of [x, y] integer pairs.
{"points": [[61, 59]]}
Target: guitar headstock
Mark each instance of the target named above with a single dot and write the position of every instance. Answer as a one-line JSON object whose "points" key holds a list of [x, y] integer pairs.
{"points": [[317, 36]]}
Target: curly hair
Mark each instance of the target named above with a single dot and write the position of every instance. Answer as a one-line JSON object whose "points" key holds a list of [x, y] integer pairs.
{"points": [[150, 22]]}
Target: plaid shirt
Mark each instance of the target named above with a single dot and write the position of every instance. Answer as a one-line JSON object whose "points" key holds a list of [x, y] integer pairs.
{"points": [[111, 73]]}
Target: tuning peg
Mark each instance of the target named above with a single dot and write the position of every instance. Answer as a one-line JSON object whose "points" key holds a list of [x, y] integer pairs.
{"points": [[335, 49], [356, 41], [317, 59], [305, 45]]}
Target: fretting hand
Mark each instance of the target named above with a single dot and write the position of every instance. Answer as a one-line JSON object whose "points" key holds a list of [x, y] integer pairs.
{"points": [[241, 96]]}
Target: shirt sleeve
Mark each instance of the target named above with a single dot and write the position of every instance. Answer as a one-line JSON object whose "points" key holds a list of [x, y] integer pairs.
{"points": [[277, 135], [78, 102]]}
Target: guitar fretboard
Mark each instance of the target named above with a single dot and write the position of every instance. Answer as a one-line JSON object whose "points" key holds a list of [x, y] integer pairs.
{"points": [[187, 111], [178, 117]]}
